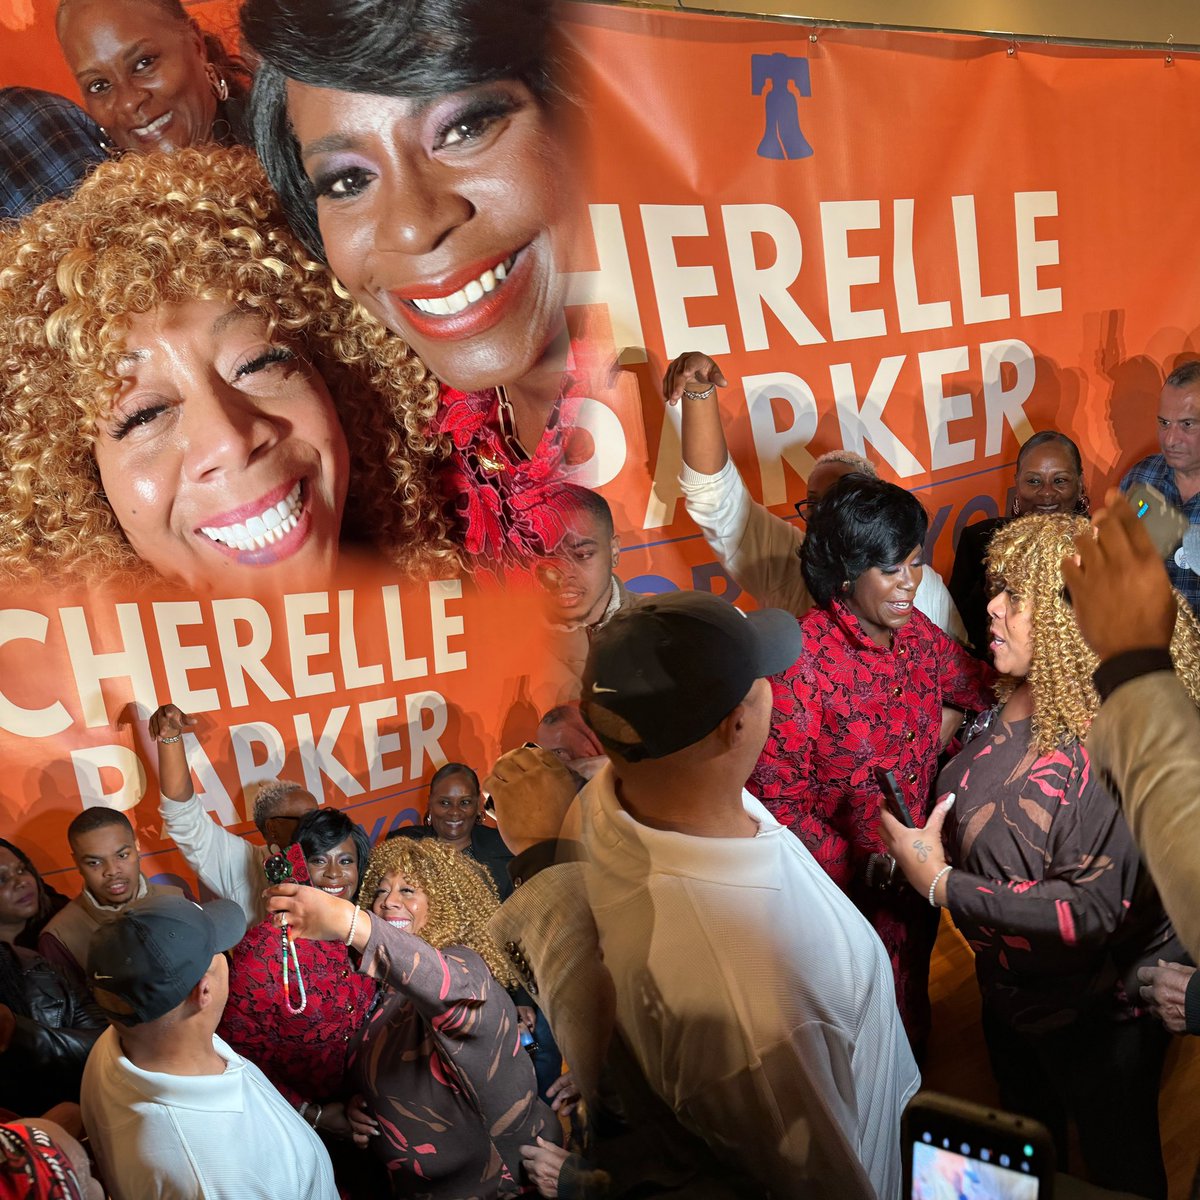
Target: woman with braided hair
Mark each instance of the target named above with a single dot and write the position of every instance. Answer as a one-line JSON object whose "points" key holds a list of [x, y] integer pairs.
{"points": [[184, 395], [1041, 874], [451, 1095]]}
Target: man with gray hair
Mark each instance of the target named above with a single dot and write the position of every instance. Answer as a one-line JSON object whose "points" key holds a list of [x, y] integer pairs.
{"points": [[758, 549], [228, 865]]}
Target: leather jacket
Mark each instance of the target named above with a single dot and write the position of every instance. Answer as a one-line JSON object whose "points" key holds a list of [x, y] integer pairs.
{"points": [[43, 1063]]}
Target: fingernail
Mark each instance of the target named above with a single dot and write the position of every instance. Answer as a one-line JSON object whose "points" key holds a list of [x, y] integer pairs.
{"points": [[949, 801]]}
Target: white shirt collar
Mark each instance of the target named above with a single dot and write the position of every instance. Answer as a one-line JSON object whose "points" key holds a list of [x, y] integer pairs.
{"points": [[623, 845], [206, 1093]]}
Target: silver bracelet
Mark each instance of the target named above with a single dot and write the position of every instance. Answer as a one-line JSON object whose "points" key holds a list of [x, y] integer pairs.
{"points": [[169, 741], [704, 395], [353, 923], [933, 886]]}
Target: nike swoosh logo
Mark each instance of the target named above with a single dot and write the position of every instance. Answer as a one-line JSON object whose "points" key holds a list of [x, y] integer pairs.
{"points": [[597, 688]]}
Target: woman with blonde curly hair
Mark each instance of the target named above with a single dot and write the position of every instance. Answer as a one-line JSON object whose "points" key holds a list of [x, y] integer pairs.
{"points": [[450, 1097], [184, 395], [1041, 874]]}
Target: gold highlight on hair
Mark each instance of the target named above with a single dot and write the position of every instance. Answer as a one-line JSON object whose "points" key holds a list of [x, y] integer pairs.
{"points": [[461, 896], [1025, 557], [158, 229]]}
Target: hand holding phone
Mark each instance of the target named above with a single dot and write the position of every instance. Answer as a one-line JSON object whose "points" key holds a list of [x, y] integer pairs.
{"points": [[1165, 524], [893, 798]]}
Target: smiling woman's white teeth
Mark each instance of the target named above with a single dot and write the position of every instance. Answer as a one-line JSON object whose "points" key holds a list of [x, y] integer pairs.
{"points": [[269, 526], [154, 126], [445, 306]]}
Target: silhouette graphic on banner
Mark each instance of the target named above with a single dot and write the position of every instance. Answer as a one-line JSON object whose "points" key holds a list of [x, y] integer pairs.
{"points": [[782, 137]]}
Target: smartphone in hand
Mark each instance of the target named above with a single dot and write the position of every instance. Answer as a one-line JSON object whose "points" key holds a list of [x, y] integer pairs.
{"points": [[1165, 524], [893, 798]]}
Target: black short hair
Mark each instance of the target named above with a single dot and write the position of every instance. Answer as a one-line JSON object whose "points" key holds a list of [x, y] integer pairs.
{"points": [[453, 768], [1184, 375], [97, 817], [859, 523], [406, 48], [1052, 437], [583, 500], [324, 828]]}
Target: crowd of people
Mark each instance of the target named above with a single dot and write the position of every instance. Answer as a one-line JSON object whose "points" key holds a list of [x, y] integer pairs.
{"points": [[262, 312]]}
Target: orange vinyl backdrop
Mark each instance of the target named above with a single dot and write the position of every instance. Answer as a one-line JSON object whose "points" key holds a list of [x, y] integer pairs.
{"points": [[985, 240], [920, 246]]}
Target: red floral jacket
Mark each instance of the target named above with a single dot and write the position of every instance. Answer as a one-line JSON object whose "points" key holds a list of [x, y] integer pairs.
{"points": [[848, 705], [506, 510]]}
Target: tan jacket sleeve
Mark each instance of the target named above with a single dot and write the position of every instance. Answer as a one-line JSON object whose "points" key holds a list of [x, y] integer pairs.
{"points": [[1147, 739]]}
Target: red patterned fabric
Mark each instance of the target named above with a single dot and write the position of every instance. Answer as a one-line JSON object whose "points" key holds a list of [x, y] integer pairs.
{"points": [[305, 1055], [846, 706], [507, 510], [32, 1167]]}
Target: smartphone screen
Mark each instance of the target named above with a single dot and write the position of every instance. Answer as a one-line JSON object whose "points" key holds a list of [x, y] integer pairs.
{"points": [[942, 1171], [956, 1150]]}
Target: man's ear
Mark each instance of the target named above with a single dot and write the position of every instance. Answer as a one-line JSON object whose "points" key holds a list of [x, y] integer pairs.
{"points": [[732, 729], [615, 547], [202, 995]]}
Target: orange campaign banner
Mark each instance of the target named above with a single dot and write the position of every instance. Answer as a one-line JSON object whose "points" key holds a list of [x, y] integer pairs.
{"points": [[357, 693], [916, 246], [920, 247]]}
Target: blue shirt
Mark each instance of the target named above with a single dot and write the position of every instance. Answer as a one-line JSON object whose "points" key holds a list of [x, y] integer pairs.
{"points": [[47, 145], [1156, 473]]}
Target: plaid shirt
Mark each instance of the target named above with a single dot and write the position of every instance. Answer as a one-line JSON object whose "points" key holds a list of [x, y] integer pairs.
{"points": [[47, 145], [1154, 471]]}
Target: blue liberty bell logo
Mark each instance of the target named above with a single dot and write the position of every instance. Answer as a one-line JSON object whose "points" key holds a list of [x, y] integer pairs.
{"points": [[785, 78]]}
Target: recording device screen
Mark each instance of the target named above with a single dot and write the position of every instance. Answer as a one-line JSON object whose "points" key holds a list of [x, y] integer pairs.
{"points": [[942, 1170]]}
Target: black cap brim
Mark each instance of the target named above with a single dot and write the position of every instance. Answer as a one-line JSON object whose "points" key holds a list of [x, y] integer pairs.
{"points": [[228, 921], [779, 639]]}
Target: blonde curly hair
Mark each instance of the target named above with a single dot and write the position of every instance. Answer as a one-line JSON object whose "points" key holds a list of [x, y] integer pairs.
{"points": [[1025, 558], [156, 229], [461, 896]]}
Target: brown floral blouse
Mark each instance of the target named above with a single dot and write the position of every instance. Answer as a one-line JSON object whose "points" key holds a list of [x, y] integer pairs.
{"points": [[442, 1070], [1048, 886]]}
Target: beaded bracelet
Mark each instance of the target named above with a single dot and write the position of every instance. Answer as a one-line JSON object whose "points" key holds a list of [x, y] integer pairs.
{"points": [[933, 886], [704, 395], [353, 923], [169, 741]]}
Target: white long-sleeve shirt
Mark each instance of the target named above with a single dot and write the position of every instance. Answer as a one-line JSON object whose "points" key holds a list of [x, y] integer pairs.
{"points": [[759, 549], [229, 866]]}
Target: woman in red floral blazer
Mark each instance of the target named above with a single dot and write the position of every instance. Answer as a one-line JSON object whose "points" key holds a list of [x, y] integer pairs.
{"points": [[867, 691]]}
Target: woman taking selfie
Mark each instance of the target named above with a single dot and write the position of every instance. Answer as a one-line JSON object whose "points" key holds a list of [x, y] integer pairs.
{"points": [[1031, 855], [450, 1093], [184, 396], [419, 149]]}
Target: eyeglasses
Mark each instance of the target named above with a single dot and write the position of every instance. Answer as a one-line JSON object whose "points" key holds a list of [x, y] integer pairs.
{"points": [[802, 508]]}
